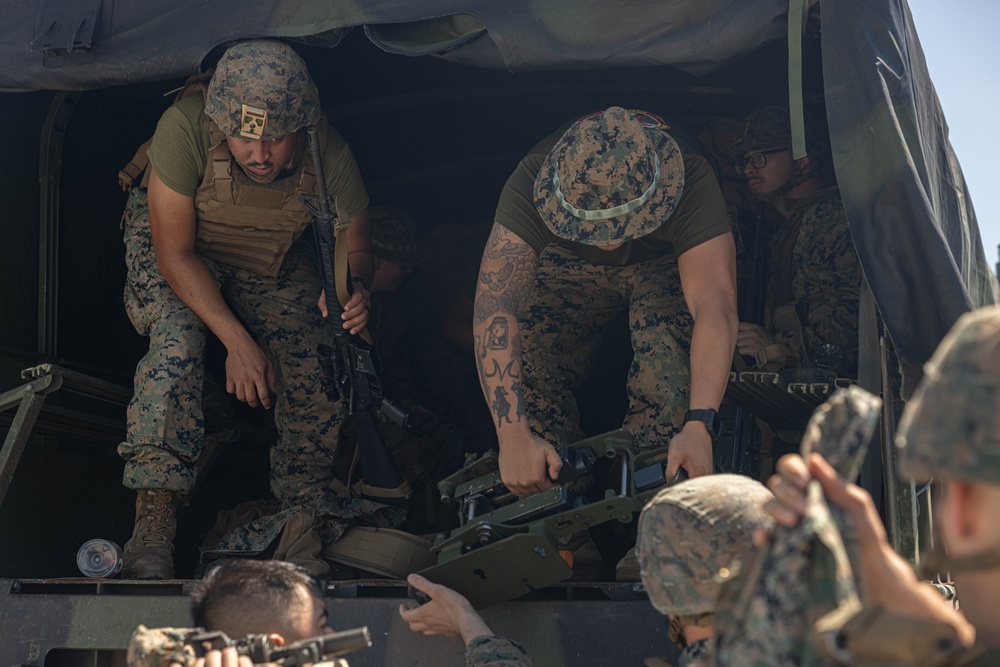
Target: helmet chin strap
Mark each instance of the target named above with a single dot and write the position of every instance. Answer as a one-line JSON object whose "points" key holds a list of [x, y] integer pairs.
{"points": [[936, 561], [798, 178]]}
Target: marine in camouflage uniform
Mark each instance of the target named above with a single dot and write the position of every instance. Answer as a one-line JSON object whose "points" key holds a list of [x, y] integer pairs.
{"points": [[231, 251], [693, 536], [606, 216], [950, 432], [813, 294], [765, 616]]}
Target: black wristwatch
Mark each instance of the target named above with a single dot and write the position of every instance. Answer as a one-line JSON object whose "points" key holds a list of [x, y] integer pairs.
{"points": [[709, 416]]}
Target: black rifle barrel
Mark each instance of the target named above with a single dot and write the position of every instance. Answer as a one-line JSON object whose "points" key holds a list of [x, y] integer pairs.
{"points": [[310, 651]]}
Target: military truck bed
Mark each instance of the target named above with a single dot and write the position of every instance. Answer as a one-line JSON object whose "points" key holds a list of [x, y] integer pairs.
{"points": [[78, 622]]}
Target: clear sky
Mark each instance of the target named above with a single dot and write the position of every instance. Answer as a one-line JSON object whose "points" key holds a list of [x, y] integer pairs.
{"points": [[961, 42]]}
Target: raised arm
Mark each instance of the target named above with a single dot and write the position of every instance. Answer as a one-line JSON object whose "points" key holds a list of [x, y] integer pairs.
{"points": [[708, 279], [172, 223], [528, 464]]}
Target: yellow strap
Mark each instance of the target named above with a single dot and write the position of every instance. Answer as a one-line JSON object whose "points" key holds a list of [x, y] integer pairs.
{"points": [[798, 13]]}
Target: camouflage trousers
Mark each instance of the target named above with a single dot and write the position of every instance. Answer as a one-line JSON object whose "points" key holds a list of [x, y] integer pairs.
{"points": [[563, 324], [166, 426]]}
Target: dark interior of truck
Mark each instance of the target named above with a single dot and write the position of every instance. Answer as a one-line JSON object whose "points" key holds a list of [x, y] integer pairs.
{"points": [[433, 138]]}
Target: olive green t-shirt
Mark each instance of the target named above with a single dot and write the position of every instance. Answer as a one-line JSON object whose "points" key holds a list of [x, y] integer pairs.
{"points": [[699, 217], [179, 155]]}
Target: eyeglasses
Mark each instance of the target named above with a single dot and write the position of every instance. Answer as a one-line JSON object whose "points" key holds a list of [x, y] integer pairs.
{"points": [[757, 160]]}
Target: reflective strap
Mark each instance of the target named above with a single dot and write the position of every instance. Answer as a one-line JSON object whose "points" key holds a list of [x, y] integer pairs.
{"points": [[798, 12]]}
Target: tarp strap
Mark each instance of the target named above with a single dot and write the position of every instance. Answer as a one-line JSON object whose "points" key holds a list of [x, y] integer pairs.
{"points": [[798, 12]]}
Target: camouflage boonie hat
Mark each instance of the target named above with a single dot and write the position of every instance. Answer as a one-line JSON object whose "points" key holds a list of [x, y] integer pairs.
{"points": [[394, 235], [609, 180], [262, 90], [695, 535], [952, 425], [771, 127]]}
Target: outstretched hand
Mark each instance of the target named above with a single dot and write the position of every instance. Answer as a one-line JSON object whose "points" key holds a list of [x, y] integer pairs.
{"points": [[448, 613]]}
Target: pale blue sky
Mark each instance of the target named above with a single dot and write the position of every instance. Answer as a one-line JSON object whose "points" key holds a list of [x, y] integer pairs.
{"points": [[961, 42]]}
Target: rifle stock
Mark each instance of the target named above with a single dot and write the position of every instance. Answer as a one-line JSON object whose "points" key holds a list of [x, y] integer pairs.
{"points": [[350, 367]]}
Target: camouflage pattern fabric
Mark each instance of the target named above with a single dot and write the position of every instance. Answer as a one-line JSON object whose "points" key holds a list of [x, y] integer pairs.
{"points": [[561, 328], [165, 420], [493, 651], [691, 532], [951, 428], [600, 185], [262, 90], [394, 235], [698, 654], [160, 647], [770, 127], [819, 281], [163, 647], [765, 616]]}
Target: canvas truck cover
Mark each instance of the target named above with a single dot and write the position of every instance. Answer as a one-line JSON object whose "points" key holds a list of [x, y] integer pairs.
{"points": [[909, 211]]}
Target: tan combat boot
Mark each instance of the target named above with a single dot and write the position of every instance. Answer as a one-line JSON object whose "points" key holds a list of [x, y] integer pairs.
{"points": [[149, 554]]}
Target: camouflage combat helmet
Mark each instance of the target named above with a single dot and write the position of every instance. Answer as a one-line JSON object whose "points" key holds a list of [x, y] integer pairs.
{"points": [[609, 180], [695, 534], [394, 235], [770, 127], [261, 89], [951, 427]]}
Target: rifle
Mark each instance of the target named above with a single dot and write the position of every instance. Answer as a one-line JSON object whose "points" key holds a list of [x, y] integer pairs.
{"points": [[150, 643], [745, 435], [350, 368]]}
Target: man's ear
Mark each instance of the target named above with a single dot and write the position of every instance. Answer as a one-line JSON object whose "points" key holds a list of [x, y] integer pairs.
{"points": [[276, 639], [804, 162]]}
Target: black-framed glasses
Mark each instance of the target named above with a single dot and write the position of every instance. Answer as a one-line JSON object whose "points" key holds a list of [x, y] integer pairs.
{"points": [[758, 159]]}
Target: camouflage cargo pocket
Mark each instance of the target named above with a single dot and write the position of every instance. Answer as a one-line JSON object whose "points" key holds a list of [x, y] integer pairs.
{"points": [[143, 281]]}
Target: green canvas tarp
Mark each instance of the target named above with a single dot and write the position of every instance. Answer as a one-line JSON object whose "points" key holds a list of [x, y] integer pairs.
{"points": [[910, 213]]}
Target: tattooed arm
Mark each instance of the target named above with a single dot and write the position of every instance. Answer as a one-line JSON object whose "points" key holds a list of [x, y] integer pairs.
{"points": [[528, 464]]}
